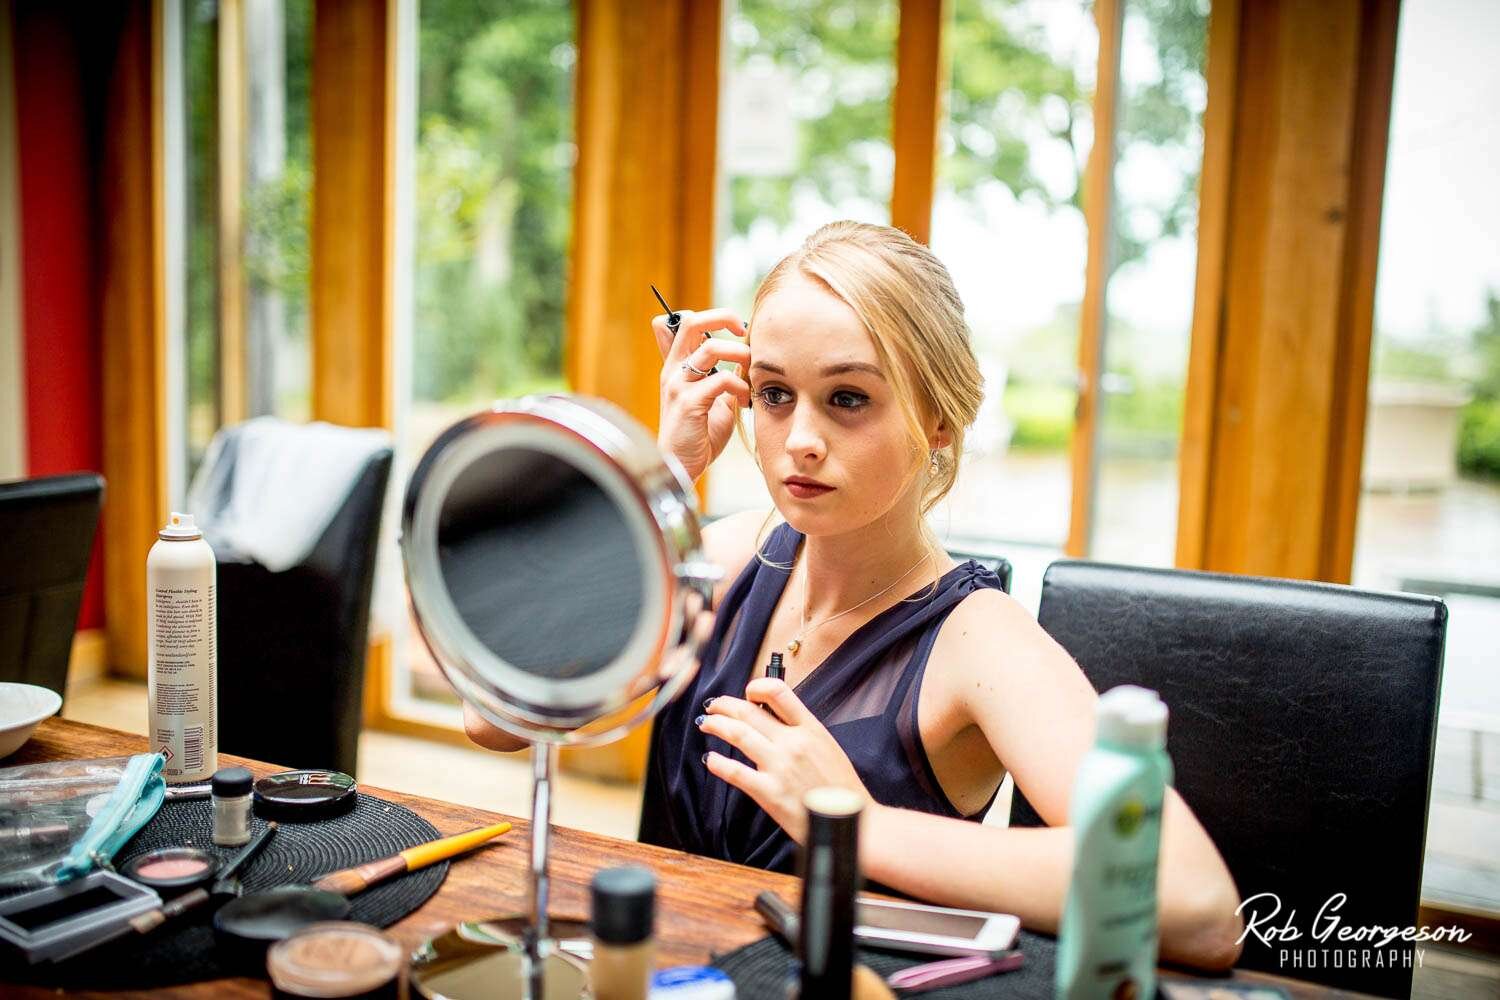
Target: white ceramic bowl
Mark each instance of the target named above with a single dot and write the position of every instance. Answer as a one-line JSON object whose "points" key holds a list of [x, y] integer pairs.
{"points": [[22, 709]]}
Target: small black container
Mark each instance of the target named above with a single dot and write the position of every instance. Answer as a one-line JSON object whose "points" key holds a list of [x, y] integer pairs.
{"points": [[624, 904], [305, 795]]}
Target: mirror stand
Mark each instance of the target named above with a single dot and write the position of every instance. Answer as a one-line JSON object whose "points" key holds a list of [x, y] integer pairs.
{"points": [[537, 941]]}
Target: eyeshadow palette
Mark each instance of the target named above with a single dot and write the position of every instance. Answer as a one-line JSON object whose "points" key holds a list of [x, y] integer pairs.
{"points": [[58, 920]]}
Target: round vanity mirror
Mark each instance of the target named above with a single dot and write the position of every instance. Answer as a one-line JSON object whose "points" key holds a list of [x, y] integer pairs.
{"points": [[552, 556], [553, 560]]}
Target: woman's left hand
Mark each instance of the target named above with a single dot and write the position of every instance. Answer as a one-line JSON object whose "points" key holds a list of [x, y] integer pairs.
{"points": [[792, 751]]}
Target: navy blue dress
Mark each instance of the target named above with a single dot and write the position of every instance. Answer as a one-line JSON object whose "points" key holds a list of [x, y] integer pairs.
{"points": [[865, 692]]}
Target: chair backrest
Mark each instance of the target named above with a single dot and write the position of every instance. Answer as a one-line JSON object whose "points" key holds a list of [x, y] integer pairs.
{"points": [[1301, 730], [999, 565], [48, 525], [292, 644]]}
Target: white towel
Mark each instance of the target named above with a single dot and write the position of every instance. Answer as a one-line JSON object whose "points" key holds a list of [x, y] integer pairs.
{"points": [[285, 483]]}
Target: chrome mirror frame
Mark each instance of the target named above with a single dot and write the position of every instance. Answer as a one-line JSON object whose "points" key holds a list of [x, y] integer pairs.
{"points": [[660, 507]]}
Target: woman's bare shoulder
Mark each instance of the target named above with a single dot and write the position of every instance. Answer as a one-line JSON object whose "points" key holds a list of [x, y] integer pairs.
{"points": [[994, 654], [984, 616], [988, 634], [731, 542]]}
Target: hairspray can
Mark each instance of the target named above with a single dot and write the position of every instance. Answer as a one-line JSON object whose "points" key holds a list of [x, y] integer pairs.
{"points": [[182, 673], [830, 882]]}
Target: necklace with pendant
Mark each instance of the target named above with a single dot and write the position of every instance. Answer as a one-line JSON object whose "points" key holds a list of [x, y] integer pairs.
{"points": [[796, 642]]}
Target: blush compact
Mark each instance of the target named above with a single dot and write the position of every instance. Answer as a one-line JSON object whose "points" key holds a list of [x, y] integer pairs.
{"points": [[172, 870]]}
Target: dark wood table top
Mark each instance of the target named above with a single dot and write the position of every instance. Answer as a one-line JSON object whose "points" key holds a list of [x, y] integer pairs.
{"points": [[703, 905]]}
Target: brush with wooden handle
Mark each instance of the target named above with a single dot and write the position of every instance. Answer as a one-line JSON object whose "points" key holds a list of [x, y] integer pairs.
{"points": [[361, 877]]}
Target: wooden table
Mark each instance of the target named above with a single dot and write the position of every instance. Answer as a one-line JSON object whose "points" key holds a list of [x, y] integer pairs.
{"points": [[703, 906]]}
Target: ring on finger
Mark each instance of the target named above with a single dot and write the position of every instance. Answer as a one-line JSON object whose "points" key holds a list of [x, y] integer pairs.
{"points": [[687, 366]]}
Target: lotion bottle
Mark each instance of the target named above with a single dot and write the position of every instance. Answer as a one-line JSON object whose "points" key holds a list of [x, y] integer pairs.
{"points": [[1107, 940]]}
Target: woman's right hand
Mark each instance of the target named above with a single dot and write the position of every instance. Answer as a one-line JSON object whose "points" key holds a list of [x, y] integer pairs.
{"points": [[698, 412]]}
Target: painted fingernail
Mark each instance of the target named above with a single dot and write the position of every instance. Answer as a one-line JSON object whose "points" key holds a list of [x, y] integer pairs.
{"points": [[704, 758], [699, 720], [708, 701]]}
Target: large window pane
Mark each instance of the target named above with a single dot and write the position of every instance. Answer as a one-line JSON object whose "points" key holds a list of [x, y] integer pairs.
{"points": [[200, 34], [1008, 224], [1429, 514], [262, 149], [1149, 295], [493, 219], [832, 65], [278, 207]]}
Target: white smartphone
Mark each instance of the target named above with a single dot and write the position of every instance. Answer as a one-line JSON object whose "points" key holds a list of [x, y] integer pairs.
{"points": [[934, 930]]}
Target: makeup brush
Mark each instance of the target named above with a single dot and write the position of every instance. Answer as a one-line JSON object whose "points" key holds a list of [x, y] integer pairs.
{"points": [[782, 919], [953, 971], [361, 877], [674, 320], [145, 923], [178, 793]]}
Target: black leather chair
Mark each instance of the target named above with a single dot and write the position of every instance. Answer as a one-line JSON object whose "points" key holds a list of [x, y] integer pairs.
{"points": [[48, 526], [1302, 723], [292, 644], [998, 564]]}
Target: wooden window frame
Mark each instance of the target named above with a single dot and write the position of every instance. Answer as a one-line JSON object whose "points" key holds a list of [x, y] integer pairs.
{"points": [[631, 82], [133, 318], [922, 74], [1295, 140], [1093, 316], [233, 293], [626, 190], [622, 57]]}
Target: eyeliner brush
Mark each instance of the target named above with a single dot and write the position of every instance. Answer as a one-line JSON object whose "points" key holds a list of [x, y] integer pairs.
{"points": [[674, 319], [227, 883]]}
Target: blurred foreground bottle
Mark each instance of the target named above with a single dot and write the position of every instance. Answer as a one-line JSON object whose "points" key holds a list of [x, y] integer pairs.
{"points": [[1107, 942]]}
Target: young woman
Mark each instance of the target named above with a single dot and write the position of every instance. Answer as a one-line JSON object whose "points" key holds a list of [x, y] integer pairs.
{"points": [[910, 679]]}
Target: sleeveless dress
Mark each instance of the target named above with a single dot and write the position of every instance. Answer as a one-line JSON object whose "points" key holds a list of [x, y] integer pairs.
{"points": [[865, 693]]}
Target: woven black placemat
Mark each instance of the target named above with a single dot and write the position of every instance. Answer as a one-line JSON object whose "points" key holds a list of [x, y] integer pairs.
{"points": [[760, 970], [184, 952]]}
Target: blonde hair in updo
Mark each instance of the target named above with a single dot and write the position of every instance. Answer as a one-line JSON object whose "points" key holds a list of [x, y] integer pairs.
{"points": [[905, 298]]}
